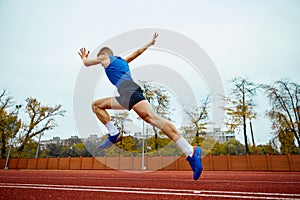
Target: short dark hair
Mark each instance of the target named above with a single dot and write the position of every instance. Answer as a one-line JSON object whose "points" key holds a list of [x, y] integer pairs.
{"points": [[105, 50]]}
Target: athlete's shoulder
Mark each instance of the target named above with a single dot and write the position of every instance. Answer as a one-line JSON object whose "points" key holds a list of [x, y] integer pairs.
{"points": [[116, 58]]}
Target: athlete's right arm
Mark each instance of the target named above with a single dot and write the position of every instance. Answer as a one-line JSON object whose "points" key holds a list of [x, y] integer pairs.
{"points": [[135, 54], [90, 62]]}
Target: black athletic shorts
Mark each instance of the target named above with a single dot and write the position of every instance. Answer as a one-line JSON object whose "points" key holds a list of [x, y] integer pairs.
{"points": [[130, 94]]}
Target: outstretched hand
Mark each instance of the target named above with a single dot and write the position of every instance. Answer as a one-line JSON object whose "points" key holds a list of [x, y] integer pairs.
{"points": [[83, 53], [154, 39]]}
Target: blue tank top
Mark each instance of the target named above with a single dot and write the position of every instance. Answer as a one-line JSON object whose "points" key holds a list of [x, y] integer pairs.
{"points": [[118, 71]]}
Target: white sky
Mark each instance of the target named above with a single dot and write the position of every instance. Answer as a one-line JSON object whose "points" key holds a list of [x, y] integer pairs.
{"points": [[40, 39]]}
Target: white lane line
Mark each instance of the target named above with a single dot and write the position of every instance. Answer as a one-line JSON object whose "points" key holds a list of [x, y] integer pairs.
{"points": [[157, 191], [152, 189], [170, 179]]}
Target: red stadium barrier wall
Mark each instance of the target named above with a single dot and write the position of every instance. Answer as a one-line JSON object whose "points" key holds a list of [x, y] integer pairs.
{"points": [[210, 163]]}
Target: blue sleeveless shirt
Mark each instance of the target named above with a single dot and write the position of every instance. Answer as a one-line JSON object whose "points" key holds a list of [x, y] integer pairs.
{"points": [[118, 71]]}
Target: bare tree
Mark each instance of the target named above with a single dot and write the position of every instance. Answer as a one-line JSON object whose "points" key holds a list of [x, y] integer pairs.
{"points": [[5, 100], [239, 106], [159, 100], [119, 119], [198, 117]]}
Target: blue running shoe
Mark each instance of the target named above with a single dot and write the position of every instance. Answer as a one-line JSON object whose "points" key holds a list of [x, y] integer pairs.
{"points": [[196, 163], [110, 141]]}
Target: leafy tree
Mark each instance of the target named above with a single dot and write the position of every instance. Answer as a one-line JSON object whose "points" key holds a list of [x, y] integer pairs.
{"points": [[9, 122], [287, 141], [232, 147], [157, 143], [29, 151], [218, 149], [128, 143], [41, 119], [53, 150], [239, 106], [284, 97], [268, 148], [73, 150], [207, 144], [197, 141]]}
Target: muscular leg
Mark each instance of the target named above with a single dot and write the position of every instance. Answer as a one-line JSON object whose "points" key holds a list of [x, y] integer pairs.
{"points": [[99, 108], [144, 110]]}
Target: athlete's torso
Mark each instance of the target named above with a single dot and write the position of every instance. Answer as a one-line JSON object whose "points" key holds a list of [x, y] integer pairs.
{"points": [[118, 71]]}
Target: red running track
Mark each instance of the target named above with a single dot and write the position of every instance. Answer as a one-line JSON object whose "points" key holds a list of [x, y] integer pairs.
{"points": [[112, 185]]}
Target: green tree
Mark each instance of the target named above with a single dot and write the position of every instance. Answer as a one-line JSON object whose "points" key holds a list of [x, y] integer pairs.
{"points": [[29, 151], [128, 144], [9, 122], [232, 147], [73, 150], [239, 106], [287, 141], [284, 97], [53, 150], [269, 148], [218, 149], [158, 143]]}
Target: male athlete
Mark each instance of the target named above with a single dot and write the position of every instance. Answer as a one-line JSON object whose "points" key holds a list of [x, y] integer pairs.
{"points": [[131, 97]]}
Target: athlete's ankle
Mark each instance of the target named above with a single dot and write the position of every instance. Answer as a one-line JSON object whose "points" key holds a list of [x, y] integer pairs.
{"points": [[185, 147], [112, 130]]}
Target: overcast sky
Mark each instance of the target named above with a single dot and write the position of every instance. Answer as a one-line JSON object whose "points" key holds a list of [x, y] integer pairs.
{"points": [[40, 39]]}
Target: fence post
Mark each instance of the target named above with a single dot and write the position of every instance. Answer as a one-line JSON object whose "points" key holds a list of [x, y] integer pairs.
{"points": [[58, 158], [18, 163], [211, 162], [132, 163], [229, 162], [248, 162], [161, 162], [26, 163], [177, 163], [69, 162], [80, 163], [93, 160], [36, 162], [269, 162], [119, 162], [105, 161], [47, 163], [290, 162]]}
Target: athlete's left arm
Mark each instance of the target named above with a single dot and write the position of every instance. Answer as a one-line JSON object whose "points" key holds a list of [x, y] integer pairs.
{"points": [[89, 62], [135, 54]]}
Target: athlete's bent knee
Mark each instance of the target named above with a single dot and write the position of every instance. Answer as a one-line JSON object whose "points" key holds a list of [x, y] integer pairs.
{"points": [[94, 107]]}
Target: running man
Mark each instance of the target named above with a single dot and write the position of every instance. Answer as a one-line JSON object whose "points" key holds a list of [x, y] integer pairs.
{"points": [[131, 97]]}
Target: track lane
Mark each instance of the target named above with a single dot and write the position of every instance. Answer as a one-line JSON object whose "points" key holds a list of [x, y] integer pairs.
{"points": [[151, 185]]}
